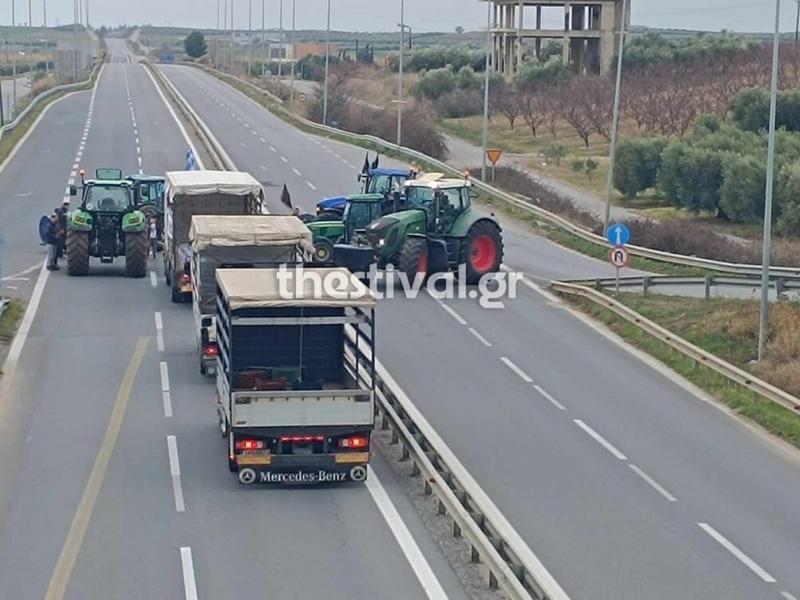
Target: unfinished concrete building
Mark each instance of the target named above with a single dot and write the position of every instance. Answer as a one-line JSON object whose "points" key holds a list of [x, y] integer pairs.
{"points": [[589, 33]]}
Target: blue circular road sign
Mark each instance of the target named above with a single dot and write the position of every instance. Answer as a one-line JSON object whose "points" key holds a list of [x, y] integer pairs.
{"points": [[618, 234]]}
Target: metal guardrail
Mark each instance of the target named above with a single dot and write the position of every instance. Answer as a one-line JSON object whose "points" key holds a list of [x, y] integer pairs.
{"points": [[700, 356], [511, 564], [544, 215], [646, 282], [9, 127]]}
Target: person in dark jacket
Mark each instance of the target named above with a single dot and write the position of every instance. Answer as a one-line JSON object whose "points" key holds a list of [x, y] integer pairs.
{"points": [[52, 243], [62, 214]]}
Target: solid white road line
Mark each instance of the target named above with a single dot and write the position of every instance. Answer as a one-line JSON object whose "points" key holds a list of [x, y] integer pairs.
{"points": [[746, 560], [187, 567], [453, 313], [600, 440], [653, 483], [425, 575], [153, 279], [552, 400], [522, 374], [311, 185], [164, 376], [175, 472], [481, 339]]}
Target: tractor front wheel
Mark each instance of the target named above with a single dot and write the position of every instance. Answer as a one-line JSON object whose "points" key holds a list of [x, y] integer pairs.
{"points": [[482, 251], [414, 257], [323, 251], [77, 253], [136, 254]]}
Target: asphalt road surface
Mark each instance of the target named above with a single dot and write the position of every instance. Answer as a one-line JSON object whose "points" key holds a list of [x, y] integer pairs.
{"points": [[625, 484], [112, 473]]}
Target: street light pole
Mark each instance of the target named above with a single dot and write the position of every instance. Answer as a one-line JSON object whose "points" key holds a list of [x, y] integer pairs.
{"points": [[233, 39], [327, 67], [615, 117], [280, 40], [44, 13], [291, 84], [30, 33], [14, 62], [763, 325], [400, 75], [216, 40], [487, 67], [263, 35]]}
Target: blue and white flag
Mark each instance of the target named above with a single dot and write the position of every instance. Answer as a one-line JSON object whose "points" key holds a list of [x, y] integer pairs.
{"points": [[191, 161]]}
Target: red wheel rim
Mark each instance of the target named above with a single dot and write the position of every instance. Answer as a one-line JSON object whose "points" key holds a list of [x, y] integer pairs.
{"points": [[422, 263], [483, 253]]}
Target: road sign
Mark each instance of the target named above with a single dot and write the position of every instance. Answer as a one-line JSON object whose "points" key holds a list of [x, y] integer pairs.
{"points": [[494, 154], [619, 234], [619, 257]]}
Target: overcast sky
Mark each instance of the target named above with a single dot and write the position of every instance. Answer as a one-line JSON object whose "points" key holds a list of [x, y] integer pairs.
{"points": [[383, 15]]}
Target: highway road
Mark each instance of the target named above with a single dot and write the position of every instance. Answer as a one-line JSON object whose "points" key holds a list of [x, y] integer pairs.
{"points": [[623, 481], [112, 473]]}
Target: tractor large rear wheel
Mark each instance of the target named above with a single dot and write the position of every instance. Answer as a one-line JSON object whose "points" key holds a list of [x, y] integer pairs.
{"points": [[482, 251], [413, 257], [77, 253], [136, 254]]}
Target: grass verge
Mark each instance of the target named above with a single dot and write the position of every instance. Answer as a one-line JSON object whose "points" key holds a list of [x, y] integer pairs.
{"points": [[728, 329], [9, 320]]}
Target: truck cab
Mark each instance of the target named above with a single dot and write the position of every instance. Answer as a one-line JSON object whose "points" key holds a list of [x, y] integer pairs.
{"points": [[295, 375]]}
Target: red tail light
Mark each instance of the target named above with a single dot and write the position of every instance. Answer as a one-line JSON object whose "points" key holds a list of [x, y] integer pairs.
{"points": [[356, 442], [303, 438], [249, 445], [211, 349]]}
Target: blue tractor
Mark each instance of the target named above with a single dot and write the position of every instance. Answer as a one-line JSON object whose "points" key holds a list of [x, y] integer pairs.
{"points": [[374, 180]]}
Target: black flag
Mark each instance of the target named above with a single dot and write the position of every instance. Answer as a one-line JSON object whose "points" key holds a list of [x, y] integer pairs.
{"points": [[365, 168], [376, 161], [286, 199]]}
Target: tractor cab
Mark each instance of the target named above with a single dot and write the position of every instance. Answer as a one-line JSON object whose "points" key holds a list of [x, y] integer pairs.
{"points": [[384, 181], [443, 200], [359, 211], [148, 196]]}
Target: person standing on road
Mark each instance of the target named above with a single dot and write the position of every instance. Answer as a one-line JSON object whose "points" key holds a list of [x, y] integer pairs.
{"points": [[153, 235], [62, 214], [52, 243]]}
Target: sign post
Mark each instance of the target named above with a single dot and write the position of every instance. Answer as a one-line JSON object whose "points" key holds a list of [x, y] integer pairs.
{"points": [[494, 154], [618, 235]]}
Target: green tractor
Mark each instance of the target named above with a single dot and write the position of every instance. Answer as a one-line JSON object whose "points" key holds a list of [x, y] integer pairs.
{"points": [[148, 196], [106, 225], [437, 230], [359, 211]]}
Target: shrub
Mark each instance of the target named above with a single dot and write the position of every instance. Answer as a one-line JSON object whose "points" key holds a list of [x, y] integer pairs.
{"points": [[741, 196], [459, 103], [554, 153], [533, 75], [637, 163], [691, 177], [435, 83]]}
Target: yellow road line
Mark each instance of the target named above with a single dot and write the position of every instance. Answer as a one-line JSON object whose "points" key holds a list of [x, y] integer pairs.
{"points": [[83, 514]]}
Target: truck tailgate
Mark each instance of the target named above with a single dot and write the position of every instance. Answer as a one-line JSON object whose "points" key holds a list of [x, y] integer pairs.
{"points": [[302, 408]]}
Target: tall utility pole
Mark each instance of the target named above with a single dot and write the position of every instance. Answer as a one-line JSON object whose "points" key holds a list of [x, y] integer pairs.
{"points": [[327, 67], [233, 39], [615, 117], [400, 74], [30, 32], [797, 24], [44, 13], [14, 63], [291, 84], [280, 40], [487, 69], [216, 40], [88, 23], [763, 325], [263, 34], [249, 37]]}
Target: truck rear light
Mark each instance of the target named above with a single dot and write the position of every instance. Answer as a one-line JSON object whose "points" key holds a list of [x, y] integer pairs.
{"points": [[303, 439], [249, 445], [211, 349], [355, 442]]}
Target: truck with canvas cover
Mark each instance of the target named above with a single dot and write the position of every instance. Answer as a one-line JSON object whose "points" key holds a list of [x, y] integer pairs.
{"points": [[242, 242], [192, 193], [295, 374], [106, 225]]}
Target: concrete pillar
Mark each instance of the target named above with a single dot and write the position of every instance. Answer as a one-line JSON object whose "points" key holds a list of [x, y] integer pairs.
{"points": [[538, 43], [565, 40], [609, 20], [520, 24], [576, 49]]}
